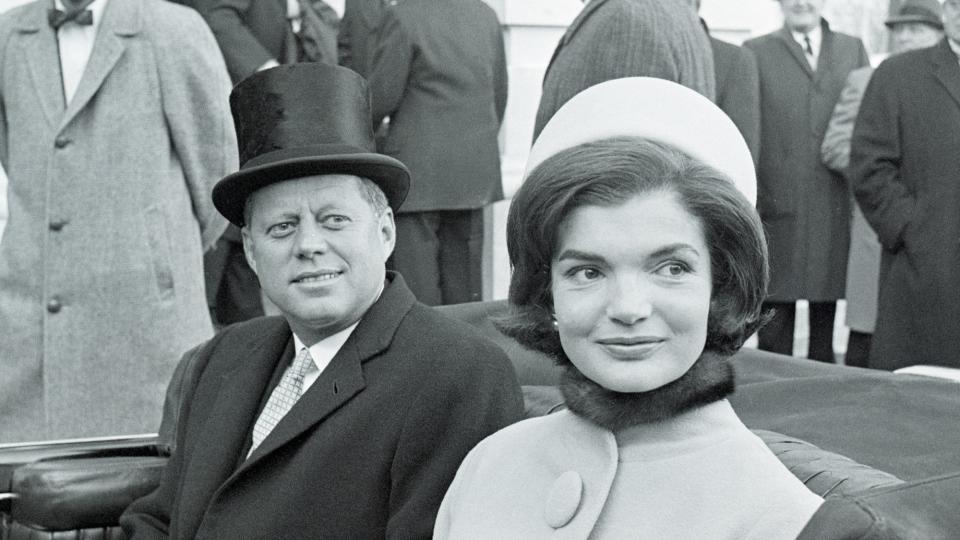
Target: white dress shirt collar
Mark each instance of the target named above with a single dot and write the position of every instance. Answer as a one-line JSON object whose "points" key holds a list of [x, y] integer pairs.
{"points": [[816, 39], [322, 352]]}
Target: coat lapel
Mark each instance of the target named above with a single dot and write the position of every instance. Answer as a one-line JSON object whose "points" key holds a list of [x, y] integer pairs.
{"points": [[121, 19], [231, 418], [827, 43], [795, 51], [343, 379], [572, 29], [39, 47], [946, 69]]}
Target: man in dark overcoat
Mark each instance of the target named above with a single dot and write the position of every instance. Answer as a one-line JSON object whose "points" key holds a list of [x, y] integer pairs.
{"points": [[905, 170], [347, 416], [440, 75], [804, 206], [611, 39]]}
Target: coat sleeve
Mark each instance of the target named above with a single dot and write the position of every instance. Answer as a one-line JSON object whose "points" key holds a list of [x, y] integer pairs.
{"points": [[452, 413], [242, 51], [149, 516], [391, 66], [500, 76], [875, 156], [195, 89], [835, 150]]}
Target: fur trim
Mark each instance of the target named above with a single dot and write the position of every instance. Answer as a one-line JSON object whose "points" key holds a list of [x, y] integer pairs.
{"points": [[709, 379]]}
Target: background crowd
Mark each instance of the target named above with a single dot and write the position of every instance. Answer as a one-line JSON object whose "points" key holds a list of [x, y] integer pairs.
{"points": [[122, 106]]}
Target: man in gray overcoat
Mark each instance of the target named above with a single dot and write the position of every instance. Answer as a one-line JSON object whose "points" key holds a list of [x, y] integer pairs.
{"points": [[804, 205], [115, 125]]}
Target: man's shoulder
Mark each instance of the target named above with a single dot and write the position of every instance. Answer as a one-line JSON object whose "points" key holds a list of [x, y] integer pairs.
{"points": [[19, 15], [764, 41], [173, 22], [243, 335]]}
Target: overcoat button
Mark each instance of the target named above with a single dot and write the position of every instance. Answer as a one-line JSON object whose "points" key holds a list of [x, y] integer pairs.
{"points": [[54, 305], [58, 224], [61, 142], [564, 499]]}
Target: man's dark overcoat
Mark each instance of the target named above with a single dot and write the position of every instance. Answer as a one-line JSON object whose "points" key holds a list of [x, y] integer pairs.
{"points": [[367, 452], [611, 39], [905, 167], [440, 74], [805, 207], [738, 90]]}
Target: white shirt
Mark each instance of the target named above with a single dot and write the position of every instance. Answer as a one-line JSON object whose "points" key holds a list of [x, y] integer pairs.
{"points": [[956, 48], [322, 352], [816, 38], [76, 44]]}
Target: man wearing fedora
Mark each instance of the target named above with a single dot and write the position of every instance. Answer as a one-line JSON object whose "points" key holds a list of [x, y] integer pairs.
{"points": [[347, 416], [915, 25], [905, 171]]}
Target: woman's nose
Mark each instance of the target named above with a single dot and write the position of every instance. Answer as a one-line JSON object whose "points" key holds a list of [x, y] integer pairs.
{"points": [[630, 301]]}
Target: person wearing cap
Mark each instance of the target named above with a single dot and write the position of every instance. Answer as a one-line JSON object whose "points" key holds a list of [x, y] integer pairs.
{"points": [[805, 206], [114, 126], [640, 267], [610, 39], [347, 416], [905, 172], [916, 25]]}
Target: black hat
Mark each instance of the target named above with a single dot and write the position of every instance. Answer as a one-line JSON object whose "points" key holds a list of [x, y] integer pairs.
{"points": [[301, 120], [922, 11]]}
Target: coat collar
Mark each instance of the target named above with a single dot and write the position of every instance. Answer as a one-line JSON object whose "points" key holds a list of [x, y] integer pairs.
{"points": [[826, 49], [946, 68], [234, 411], [121, 19]]}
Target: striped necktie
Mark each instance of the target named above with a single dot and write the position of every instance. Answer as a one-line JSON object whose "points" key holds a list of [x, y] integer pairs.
{"points": [[283, 397]]}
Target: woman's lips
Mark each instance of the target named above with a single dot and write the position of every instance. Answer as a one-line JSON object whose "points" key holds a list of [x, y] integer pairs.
{"points": [[631, 348]]}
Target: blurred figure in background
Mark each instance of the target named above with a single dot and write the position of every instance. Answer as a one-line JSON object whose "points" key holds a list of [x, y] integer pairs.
{"points": [[440, 75], [611, 39], [357, 39], [111, 151], [804, 205], [905, 172], [916, 25]]}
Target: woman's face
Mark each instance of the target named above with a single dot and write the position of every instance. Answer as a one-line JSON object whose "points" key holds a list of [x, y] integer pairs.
{"points": [[631, 290]]}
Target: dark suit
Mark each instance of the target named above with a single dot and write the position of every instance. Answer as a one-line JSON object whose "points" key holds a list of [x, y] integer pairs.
{"points": [[905, 170], [738, 90], [249, 32], [440, 75], [611, 39], [367, 452], [805, 207], [357, 39]]}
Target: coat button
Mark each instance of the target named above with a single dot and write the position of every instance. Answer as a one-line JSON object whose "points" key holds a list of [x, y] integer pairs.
{"points": [[57, 224], [563, 499], [54, 305], [61, 142]]}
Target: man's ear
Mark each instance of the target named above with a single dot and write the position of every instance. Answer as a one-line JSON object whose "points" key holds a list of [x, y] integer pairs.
{"points": [[388, 232], [248, 248]]}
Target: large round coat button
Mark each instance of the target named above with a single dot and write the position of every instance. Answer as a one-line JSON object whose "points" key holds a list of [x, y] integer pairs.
{"points": [[563, 499], [54, 305], [57, 224], [61, 142]]}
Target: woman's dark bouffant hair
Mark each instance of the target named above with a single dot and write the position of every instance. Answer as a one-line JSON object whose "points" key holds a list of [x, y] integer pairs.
{"points": [[608, 173]]}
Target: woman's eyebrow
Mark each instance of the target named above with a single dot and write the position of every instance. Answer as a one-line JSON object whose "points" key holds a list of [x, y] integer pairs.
{"points": [[579, 255]]}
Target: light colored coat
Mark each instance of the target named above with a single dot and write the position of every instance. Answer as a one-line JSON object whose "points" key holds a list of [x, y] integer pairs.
{"points": [[101, 279], [863, 263], [705, 476]]}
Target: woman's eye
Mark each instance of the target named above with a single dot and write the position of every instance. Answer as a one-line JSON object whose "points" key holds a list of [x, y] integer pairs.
{"points": [[674, 269], [584, 274]]}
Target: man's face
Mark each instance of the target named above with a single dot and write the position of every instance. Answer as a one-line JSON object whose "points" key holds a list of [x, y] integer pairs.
{"points": [[801, 15], [908, 36], [951, 19], [319, 249]]}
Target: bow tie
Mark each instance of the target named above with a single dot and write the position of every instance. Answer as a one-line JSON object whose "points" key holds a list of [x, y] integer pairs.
{"points": [[78, 14]]}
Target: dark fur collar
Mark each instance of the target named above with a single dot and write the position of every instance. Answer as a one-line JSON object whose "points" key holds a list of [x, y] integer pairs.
{"points": [[709, 379]]}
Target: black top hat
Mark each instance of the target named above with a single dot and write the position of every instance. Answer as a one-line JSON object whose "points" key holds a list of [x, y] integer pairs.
{"points": [[922, 11], [302, 120]]}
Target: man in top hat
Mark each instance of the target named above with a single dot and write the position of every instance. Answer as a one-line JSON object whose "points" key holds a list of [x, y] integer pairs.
{"points": [[915, 25], [805, 206], [347, 416], [905, 171]]}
